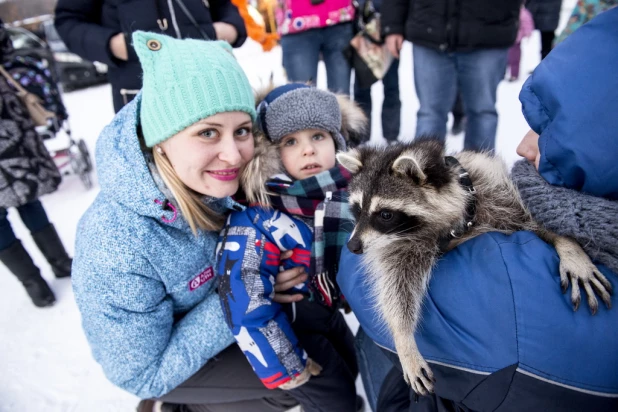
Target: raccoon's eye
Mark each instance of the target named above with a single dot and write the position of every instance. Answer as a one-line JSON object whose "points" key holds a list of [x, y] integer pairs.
{"points": [[356, 211], [386, 215]]}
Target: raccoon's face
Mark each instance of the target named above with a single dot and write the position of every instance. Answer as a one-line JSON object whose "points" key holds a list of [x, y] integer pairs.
{"points": [[401, 193]]}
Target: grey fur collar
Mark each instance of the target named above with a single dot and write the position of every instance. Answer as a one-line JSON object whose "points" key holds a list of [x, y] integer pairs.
{"points": [[592, 221]]}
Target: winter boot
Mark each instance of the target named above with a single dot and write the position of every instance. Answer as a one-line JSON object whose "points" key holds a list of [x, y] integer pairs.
{"points": [[18, 261], [51, 246]]}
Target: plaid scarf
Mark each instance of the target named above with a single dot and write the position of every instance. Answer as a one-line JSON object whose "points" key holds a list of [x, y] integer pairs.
{"points": [[323, 200]]}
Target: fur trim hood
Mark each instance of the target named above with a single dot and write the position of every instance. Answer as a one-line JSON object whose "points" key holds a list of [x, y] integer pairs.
{"points": [[266, 161]]}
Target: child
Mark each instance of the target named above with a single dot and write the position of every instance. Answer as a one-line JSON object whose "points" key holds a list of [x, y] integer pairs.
{"points": [[526, 27], [295, 161]]}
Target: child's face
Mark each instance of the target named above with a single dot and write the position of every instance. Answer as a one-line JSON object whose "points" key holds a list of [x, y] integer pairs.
{"points": [[209, 155], [307, 152]]}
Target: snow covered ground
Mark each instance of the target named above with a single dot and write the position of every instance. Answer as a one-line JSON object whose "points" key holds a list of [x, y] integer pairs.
{"points": [[45, 359]]}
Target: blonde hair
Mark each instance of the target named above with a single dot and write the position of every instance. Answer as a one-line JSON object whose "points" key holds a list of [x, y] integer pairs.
{"points": [[192, 207]]}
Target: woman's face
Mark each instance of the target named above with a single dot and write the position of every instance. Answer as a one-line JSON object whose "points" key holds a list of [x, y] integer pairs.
{"points": [[529, 148], [209, 155]]}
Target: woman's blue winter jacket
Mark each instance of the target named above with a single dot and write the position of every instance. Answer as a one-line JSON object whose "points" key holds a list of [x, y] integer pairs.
{"points": [[144, 284]]}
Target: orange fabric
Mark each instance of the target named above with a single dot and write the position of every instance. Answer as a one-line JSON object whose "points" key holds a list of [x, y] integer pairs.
{"points": [[254, 30]]}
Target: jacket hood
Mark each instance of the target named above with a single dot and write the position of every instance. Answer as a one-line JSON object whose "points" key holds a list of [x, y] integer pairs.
{"points": [[124, 174], [571, 101]]}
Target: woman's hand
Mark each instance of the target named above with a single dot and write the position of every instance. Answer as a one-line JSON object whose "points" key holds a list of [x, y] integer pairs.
{"points": [[225, 31], [287, 280]]}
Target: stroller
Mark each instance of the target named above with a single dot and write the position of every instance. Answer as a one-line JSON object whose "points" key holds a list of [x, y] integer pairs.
{"points": [[36, 77]]}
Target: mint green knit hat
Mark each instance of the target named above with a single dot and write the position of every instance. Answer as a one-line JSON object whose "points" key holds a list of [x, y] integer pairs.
{"points": [[186, 81]]}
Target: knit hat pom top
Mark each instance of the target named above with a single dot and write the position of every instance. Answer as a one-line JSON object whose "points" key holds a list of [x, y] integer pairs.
{"points": [[186, 81]]}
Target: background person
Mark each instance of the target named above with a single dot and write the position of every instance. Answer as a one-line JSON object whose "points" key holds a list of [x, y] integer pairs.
{"points": [[455, 47], [100, 30], [316, 29], [27, 173]]}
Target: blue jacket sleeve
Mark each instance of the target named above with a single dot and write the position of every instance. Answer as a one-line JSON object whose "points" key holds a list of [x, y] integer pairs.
{"points": [[224, 11], [78, 24], [133, 335], [248, 264]]}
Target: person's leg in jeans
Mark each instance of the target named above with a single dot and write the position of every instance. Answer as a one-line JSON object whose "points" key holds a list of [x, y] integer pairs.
{"points": [[391, 107], [373, 365], [479, 74], [227, 383], [547, 40], [7, 236], [335, 39], [34, 216], [435, 80], [301, 53], [362, 97], [459, 115]]}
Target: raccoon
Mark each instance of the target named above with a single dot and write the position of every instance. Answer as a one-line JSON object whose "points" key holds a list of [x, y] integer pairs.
{"points": [[412, 203]]}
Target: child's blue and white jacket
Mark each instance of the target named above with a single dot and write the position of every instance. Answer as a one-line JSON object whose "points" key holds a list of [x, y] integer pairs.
{"points": [[248, 263]]}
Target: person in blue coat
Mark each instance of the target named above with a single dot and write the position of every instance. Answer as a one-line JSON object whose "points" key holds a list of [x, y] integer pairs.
{"points": [[495, 330], [144, 266], [101, 31]]}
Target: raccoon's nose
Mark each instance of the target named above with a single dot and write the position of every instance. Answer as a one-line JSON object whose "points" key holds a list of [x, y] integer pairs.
{"points": [[355, 246]]}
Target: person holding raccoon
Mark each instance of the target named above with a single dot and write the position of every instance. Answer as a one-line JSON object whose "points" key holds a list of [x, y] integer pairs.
{"points": [[495, 331], [298, 199], [145, 255]]}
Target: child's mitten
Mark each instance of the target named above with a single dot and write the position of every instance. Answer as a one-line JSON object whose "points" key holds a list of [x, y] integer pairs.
{"points": [[311, 369]]}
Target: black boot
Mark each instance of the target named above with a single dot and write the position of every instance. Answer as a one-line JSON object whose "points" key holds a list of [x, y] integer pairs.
{"points": [[17, 259], [51, 246]]}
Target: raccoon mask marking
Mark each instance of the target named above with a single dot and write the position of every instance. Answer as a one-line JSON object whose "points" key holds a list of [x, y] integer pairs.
{"points": [[411, 203]]}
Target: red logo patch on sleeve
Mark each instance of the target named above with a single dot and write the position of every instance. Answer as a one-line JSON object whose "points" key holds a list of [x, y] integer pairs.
{"points": [[200, 279]]}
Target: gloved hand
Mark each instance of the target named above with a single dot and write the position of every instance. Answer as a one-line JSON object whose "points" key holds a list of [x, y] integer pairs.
{"points": [[311, 369]]}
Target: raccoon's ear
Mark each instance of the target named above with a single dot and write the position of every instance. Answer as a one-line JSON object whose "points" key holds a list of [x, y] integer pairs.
{"points": [[406, 165], [350, 160]]}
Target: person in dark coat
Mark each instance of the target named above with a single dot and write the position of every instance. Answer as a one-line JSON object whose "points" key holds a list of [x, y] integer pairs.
{"points": [[101, 31], [391, 105], [496, 331], [455, 45], [26, 173], [546, 15]]}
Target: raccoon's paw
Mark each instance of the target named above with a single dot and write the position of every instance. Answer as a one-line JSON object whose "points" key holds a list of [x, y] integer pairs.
{"points": [[417, 374], [577, 269]]}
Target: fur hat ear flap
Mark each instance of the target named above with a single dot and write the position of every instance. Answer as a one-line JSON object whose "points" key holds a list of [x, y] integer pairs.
{"points": [[350, 160], [406, 165], [264, 164], [354, 124]]}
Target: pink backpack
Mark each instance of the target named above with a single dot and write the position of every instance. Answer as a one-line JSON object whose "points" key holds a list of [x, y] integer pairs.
{"points": [[295, 16]]}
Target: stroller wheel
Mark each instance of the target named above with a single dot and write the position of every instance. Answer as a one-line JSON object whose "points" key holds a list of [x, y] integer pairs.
{"points": [[83, 150], [79, 164], [86, 180]]}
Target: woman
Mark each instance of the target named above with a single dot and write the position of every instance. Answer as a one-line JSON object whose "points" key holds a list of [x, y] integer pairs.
{"points": [[310, 29], [27, 172], [145, 250], [495, 331]]}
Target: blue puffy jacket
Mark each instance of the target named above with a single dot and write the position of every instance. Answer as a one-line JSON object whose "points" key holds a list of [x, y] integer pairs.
{"points": [[496, 330], [144, 284], [248, 264]]}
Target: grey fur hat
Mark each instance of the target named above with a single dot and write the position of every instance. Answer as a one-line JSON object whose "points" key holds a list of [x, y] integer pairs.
{"points": [[296, 106]]}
